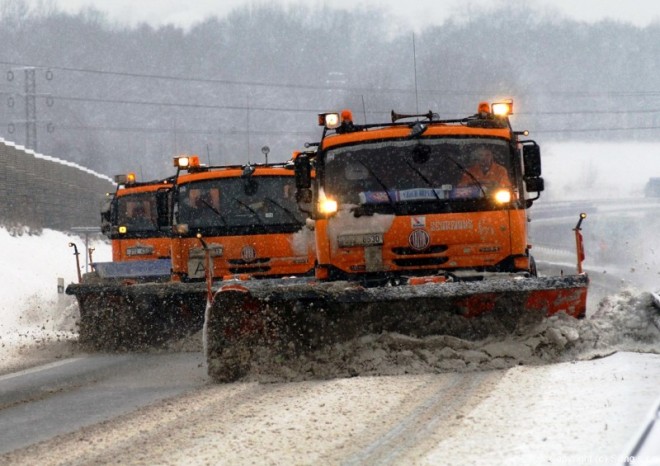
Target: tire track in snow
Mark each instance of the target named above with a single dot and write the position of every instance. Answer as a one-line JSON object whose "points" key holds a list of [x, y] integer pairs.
{"points": [[439, 411]]}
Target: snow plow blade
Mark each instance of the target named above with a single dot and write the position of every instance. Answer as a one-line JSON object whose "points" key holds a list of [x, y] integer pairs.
{"points": [[282, 318], [123, 317]]}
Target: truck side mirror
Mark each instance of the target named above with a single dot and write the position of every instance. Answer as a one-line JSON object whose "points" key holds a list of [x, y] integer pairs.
{"points": [[303, 171], [163, 207], [532, 160], [107, 209], [534, 185]]}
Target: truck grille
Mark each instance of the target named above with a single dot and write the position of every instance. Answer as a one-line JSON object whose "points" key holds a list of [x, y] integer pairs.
{"points": [[250, 269], [407, 251], [420, 261], [422, 257], [261, 260]]}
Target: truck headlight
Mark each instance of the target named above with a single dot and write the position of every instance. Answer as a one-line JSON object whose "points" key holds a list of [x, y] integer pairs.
{"points": [[502, 196], [328, 206], [180, 228]]}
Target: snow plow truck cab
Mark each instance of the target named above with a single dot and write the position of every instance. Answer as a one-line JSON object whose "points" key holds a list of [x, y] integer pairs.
{"points": [[135, 219]]}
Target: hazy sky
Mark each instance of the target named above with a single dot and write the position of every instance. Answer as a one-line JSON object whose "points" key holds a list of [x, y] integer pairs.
{"points": [[415, 13]]}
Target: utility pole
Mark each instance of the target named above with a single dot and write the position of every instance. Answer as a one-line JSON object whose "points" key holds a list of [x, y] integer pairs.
{"points": [[30, 96], [30, 109]]}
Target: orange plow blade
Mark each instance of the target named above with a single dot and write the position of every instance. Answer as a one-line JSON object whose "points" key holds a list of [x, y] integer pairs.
{"points": [[282, 318]]}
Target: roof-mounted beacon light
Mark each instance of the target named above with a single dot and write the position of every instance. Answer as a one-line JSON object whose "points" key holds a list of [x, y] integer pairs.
{"points": [[346, 116], [125, 179], [483, 108]]}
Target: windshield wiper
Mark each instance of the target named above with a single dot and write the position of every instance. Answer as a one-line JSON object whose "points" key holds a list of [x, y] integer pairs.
{"points": [[288, 211], [254, 212], [380, 182], [214, 210], [426, 180], [469, 173]]}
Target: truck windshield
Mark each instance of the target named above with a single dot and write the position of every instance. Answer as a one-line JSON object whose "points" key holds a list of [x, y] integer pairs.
{"points": [[261, 201], [396, 173], [137, 212]]}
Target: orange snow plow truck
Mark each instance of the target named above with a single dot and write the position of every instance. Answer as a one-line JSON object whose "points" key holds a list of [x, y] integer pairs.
{"points": [[421, 229], [221, 222], [140, 243]]}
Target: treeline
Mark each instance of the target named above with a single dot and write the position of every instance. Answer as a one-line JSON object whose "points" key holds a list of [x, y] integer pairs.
{"points": [[118, 99]]}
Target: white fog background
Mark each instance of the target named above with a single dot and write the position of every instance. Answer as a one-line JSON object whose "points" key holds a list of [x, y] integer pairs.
{"points": [[416, 15]]}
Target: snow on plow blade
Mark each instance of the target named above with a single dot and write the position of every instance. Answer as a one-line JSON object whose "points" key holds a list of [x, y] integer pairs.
{"points": [[138, 316], [282, 318]]}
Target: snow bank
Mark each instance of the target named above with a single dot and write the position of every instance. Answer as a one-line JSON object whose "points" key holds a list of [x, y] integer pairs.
{"points": [[624, 322], [31, 309]]}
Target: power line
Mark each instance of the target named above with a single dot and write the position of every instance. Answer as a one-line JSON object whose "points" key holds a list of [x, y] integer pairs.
{"points": [[451, 92], [592, 112], [124, 129], [183, 105], [318, 110], [589, 130], [157, 130]]}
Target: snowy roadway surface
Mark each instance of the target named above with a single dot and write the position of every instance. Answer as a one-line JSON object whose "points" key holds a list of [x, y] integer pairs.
{"points": [[552, 414], [560, 391]]}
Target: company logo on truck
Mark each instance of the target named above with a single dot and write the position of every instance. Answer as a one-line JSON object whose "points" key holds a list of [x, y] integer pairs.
{"points": [[248, 253], [419, 240]]}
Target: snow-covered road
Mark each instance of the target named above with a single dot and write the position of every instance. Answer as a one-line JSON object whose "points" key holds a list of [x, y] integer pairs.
{"points": [[551, 414]]}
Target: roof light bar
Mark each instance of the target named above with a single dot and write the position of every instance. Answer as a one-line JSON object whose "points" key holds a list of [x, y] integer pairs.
{"points": [[186, 162], [125, 179], [329, 120], [503, 108]]}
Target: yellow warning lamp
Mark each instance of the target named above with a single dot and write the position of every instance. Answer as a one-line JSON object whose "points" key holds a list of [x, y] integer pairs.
{"points": [[483, 108], [346, 116], [125, 179]]}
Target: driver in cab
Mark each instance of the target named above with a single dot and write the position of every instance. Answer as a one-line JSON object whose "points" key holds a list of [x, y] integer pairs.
{"points": [[485, 171]]}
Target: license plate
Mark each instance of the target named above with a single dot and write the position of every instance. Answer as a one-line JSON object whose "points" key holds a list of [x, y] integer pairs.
{"points": [[139, 251], [370, 239]]}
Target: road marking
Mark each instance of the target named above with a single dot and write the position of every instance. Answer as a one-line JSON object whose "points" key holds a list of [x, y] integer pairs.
{"points": [[32, 370]]}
